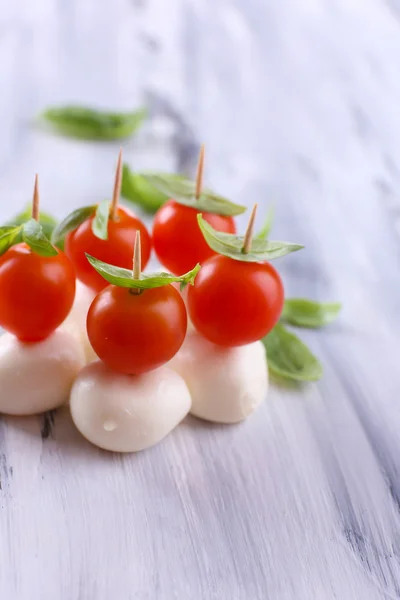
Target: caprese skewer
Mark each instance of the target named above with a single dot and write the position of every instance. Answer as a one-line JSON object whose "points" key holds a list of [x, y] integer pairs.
{"points": [[106, 231], [177, 239], [38, 361], [236, 300], [129, 400]]}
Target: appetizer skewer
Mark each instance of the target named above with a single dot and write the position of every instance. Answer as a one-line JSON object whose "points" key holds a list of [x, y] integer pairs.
{"points": [[134, 330], [129, 401], [38, 362], [106, 231], [177, 239], [37, 281], [236, 300]]}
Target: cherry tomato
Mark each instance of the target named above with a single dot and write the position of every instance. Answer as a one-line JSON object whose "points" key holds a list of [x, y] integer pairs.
{"points": [[36, 292], [233, 303], [116, 250], [177, 239], [133, 333]]}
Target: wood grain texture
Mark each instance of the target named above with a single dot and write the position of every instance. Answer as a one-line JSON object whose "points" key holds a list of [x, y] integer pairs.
{"points": [[297, 102]]}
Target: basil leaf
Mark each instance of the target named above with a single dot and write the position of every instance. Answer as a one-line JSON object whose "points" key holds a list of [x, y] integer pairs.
{"points": [[308, 313], [124, 277], [136, 189], [266, 228], [100, 221], [288, 357], [71, 222], [90, 124], [231, 245], [9, 235], [182, 190], [48, 222], [33, 235]]}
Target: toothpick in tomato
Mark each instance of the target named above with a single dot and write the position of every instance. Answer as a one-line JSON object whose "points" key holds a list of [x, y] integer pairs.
{"points": [[37, 281], [140, 322], [238, 296], [106, 231], [177, 239]]}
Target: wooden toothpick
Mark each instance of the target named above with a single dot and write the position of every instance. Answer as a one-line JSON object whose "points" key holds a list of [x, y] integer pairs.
{"points": [[137, 257], [117, 188], [248, 236], [199, 173], [35, 200]]}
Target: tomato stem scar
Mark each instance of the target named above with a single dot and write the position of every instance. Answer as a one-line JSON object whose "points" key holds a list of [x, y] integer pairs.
{"points": [[117, 188], [248, 236], [199, 173], [35, 200]]}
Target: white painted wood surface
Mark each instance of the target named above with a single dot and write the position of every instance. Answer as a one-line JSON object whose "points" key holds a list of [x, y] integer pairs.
{"points": [[298, 103]]}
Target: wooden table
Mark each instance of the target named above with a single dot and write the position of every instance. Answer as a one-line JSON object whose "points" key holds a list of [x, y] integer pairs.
{"points": [[297, 102]]}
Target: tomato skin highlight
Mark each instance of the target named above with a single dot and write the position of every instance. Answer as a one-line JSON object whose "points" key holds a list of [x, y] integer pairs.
{"points": [[233, 303], [36, 292], [177, 239], [116, 250], [134, 333]]}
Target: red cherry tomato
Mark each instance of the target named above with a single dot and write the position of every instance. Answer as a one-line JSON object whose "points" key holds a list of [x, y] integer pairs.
{"points": [[133, 333], [36, 292], [116, 250], [177, 239], [233, 303]]}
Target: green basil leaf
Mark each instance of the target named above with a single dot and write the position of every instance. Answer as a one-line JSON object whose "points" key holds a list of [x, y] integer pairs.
{"points": [[231, 245], [182, 190], [100, 221], [9, 235], [124, 277], [90, 124], [48, 222], [266, 228], [33, 235], [289, 357], [308, 313], [136, 189], [71, 222]]}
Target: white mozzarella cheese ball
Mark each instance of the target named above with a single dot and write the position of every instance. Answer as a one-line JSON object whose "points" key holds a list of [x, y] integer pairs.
{"points": [[76, 320], [127, 413], [226, 384], [38, 376]]}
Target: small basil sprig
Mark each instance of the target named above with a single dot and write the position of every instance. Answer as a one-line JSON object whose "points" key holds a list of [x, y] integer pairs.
{"points": [[31, 232], [34, 236], [138, 190], [48, 222], [71, 222], [9, 236], [183, 191], [288, 357], [124, 277], [85, 123], [100, 221], [309, 313], [28, 229], [232, 245]]}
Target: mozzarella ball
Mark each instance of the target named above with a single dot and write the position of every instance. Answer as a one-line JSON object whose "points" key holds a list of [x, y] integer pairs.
{"points": [[38, 376], [127, 413], [226, 384], [76, 320]]}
